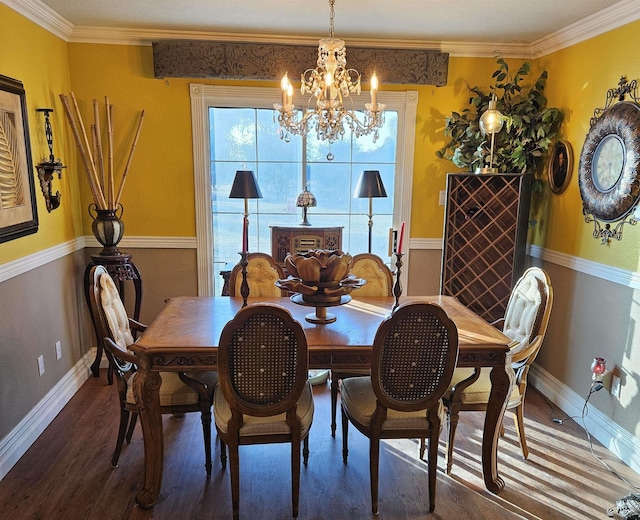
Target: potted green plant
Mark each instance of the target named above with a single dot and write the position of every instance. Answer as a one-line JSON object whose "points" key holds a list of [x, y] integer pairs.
{"points": [[529, 125]]}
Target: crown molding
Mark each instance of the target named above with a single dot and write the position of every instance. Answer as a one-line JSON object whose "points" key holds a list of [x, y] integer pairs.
{"points": [[619, 14]]}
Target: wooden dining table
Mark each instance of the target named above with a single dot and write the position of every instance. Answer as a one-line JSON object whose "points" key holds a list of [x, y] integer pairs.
{"points": [[185, 334]]}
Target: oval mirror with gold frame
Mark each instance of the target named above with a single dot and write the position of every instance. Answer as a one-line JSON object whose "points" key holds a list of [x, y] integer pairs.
{"points": [[560, 166], [609, 169]]}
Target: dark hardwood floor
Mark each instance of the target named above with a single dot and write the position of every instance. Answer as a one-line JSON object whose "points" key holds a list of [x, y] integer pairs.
{"points": [[67, 473]]}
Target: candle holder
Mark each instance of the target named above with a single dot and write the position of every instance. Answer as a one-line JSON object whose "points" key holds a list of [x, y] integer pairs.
{"points": [[397, 287], [244, 287]]}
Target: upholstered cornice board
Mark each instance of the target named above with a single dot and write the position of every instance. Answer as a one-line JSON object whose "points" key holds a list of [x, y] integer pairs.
{"points": [[225, 60]]}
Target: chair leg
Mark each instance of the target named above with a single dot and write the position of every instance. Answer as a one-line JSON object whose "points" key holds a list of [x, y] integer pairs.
{"points": [[234, 470], [223, 454], [132, 426], [432, 467], [423, 447], [452, 420], [122, 430], [295, 475], [518, 419], [374, 460], [206, 430], [334, 402], [345, 436], [305, 450]]}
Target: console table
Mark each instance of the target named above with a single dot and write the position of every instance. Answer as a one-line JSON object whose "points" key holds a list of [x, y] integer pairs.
{"points": [[300, 239]]}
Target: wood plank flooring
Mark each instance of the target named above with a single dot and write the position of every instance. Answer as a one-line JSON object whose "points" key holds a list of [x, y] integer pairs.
{"points": [[67, 473]]}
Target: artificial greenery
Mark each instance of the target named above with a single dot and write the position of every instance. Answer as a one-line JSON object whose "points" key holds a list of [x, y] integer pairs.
{"points": [[529, 126]]}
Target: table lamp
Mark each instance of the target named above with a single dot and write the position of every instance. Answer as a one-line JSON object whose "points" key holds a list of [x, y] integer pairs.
{"points": [[491, 123], [305, 200], [245, 187], [369, 185]]}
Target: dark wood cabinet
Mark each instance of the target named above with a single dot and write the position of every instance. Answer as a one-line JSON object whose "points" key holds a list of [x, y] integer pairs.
{"points": [[485, 235], [300, 239]]}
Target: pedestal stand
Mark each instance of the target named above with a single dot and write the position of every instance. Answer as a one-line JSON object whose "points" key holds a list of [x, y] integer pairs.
{"points": [[321, 316], [120, 267]]}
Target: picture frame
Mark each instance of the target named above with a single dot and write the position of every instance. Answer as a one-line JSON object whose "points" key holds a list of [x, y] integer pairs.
{"points": [[560, 166], [18, 210]]}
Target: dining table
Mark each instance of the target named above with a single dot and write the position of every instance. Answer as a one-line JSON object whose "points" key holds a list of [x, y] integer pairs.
{"points": [[185, 334]]}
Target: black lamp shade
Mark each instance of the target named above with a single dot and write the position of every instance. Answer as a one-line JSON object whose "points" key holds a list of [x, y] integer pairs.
{"points": [[245, 186], [369, 185]]}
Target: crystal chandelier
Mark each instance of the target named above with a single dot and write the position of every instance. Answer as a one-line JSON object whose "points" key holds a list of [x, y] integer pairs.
{"points": [[330, 83]]}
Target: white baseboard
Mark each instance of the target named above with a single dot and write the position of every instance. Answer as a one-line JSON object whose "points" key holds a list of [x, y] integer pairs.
{"points": [[15, 444], [619, 442]]}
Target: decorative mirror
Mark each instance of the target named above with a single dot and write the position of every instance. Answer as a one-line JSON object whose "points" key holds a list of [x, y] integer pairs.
{"points": [[560, 166], [609, 167]]}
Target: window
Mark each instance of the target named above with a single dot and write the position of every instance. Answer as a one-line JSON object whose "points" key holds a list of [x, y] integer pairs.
{"points": [[234, 129]]}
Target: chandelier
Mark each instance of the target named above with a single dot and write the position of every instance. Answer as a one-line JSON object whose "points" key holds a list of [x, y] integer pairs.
{"points": [[330, 83]]}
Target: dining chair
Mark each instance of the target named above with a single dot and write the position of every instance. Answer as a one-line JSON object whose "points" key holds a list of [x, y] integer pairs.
{"points": [[264, 396], [414, 355], [179, 393], [379, 283], [262, 273], [525, 323]]}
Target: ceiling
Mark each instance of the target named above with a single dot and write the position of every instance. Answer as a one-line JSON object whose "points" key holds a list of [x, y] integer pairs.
{"points": [[419, 21]]}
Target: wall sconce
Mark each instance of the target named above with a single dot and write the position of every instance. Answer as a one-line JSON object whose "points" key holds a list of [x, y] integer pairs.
{"points": [[46, 169]]}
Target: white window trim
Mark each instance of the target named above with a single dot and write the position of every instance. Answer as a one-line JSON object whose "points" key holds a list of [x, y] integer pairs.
{"points": [[205, 96]]}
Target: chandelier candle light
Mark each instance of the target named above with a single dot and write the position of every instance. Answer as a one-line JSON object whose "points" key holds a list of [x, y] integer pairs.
{"points": [[330, 83]]}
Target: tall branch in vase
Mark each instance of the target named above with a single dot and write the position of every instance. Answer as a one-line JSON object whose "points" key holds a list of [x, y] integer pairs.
{"points": [[92, 154]]}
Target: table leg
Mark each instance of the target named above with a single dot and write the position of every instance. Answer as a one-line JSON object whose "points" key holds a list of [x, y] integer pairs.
{"points": [[501, 379], [146, 387]]}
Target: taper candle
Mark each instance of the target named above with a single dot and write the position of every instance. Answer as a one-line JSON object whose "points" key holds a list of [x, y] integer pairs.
{"points": [[401, 239]]}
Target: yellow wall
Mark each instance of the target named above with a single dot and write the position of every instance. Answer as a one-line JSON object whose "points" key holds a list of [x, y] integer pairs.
{"points": [[579, 78], [158, 196], [159, 193], [42, 65]]}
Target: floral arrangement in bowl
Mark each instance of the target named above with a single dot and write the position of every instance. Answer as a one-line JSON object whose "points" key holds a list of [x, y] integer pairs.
{"points": [[320, 275]]}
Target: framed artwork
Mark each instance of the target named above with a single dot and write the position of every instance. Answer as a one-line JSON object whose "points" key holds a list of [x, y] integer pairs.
{"points": [[18, 211], [560, 166]]}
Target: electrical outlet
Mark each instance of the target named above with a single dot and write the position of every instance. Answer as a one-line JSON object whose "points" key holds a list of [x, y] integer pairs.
{"points": [[443, 195], [615, 386], [58, 350], [41, 365]]}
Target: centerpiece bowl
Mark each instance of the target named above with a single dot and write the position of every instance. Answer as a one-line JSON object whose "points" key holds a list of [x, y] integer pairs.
{"points": [[320, 278]]}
